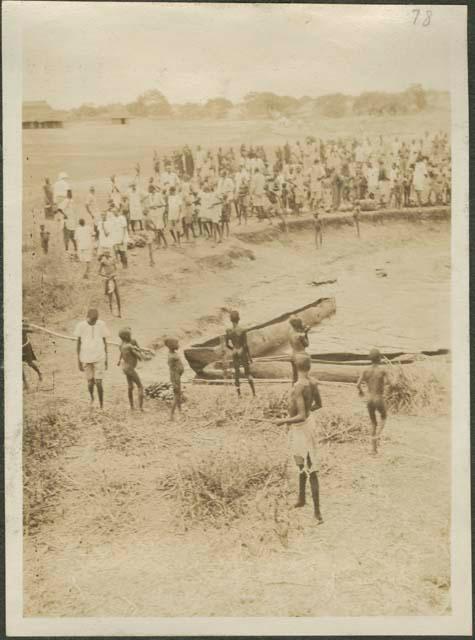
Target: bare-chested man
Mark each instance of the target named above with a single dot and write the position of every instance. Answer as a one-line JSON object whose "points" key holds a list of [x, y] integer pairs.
{"points": [[129, 357], [298, 338], [375, 378], [175, 366], [236, 340], [304, 398]]}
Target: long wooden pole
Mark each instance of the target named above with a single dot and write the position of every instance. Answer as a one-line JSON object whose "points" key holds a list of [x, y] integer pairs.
{"points": [[203, 381], [62, 336]]}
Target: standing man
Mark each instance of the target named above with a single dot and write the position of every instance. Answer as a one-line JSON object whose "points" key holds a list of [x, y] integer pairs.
{"points": [[91, 350], [304, 398], [257, 189], [92, 207], [236, 340], [119, 236], [375, 378], [70, 215], [298, 340], [60, 188], [104, 231], [84, 241], [135, 208]]}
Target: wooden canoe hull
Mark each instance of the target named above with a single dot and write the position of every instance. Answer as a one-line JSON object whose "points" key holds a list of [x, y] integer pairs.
{"points": [[262, 339], [283, 370], [338, 371]]}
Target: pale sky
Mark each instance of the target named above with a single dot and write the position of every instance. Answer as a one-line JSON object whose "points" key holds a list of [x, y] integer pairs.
{"points": [[75, 52]]}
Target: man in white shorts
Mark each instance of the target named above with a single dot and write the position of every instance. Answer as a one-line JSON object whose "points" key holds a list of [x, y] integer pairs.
{"points": [[91, 337], [84, 241]]}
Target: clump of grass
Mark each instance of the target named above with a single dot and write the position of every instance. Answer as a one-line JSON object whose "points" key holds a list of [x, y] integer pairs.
{"points": [[415, 388], [276, 406], [339, 426], [219, 486]]}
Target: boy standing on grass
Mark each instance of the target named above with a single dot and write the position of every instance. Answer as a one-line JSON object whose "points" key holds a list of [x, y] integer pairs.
{"points": [[304, 398], [91, 350], [175, 366], [375, 378], [129, 357]]}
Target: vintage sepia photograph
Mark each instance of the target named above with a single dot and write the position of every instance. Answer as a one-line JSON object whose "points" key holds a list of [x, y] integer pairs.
{"points": [[237, 263]]}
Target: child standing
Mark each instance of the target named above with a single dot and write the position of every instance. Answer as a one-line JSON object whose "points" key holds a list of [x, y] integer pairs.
{"points": [[129, 357], [108, 270], [44, 238], [375, 378], [175, 365], [318, 226]]}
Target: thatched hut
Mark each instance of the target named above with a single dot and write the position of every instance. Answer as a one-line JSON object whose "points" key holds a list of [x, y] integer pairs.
{"points": [[119, 115], [39, 115]]}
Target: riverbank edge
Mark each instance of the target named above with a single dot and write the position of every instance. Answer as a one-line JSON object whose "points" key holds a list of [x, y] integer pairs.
{"points": [[339, 219]]}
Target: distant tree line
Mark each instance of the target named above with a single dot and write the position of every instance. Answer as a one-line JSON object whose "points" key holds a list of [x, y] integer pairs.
{"points": [[153, 103]]}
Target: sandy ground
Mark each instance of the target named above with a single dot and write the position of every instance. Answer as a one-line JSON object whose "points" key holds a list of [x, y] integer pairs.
{"points": [[102, 538]]}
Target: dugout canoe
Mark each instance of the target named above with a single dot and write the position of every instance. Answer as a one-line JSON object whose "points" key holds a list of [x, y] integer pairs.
{"points": [[330, 367], [262, 338]]}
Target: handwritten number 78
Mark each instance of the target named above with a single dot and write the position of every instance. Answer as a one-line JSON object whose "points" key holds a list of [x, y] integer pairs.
{"points": [[425, 22]]}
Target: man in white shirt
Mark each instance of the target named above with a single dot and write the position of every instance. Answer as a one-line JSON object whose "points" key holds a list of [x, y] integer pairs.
{"points": [[84, 241], [92, 206], [104, 230], [119, 236], [70, 216], [135, 208], [175, 210], [168, 179], [372, 176], [60, 188], [91, 351]]}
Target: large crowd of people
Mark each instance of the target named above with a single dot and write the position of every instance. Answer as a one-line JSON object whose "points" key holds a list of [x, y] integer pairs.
{"points": [[192, 194]]}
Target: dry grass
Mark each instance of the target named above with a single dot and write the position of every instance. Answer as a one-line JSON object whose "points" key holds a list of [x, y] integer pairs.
{"points": [[219, 485], [247, 473], [419, 388], [44, 439], [53, 284]]}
